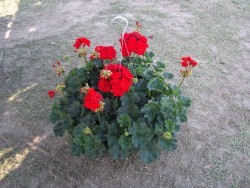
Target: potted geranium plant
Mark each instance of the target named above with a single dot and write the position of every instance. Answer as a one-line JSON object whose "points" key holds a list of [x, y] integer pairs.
{"points": [[119, 106]]}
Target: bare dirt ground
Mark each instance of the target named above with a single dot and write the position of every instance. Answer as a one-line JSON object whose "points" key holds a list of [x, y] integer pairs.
{"points": [[213, 149]]}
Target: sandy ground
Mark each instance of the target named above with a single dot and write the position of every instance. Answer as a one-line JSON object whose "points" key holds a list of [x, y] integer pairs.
{"points": [[213, 149]]}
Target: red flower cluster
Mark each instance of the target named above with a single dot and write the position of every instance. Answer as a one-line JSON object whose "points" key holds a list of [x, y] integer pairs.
{"points": [[51, 93], [106, 52], [115, 78], [81, 42], [188, 61], [93, 100], [133, 42]]}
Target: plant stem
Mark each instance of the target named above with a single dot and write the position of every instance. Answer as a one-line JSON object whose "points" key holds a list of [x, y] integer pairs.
{"points": [[184, 76], [72, 67], [63, 74], [116, 100], [99, 117], [85, 59], [181, 82]]}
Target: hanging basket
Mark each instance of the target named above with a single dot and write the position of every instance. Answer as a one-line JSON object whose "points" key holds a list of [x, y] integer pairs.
{"points": [[116, 106]]}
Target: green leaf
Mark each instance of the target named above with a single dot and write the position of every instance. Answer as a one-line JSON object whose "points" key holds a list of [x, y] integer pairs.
{"points": [[74, 83], [123, 110], [98, 62], [88, 118], [101, 130], [113, 134], [165, 144], [72, 72], [59, 129], [107, 106], [125, 142], [150, 110], [149, 54], [141, 134], [89, 66], [54, 115], [168, 75], [159, 129], [159, 66], [156, 84], [139, 71], [143, 99], [124, 120], [125, 61], [186, 101], [160, 119], [117, 152], [64, 124], [76, 149], [93, 146], [167, 105], [141, 85], [183, 115], [78, 130], [133, 111], [75, 108], [170, 126], [172, 90], [149, 153], [81, 72], [129, 98], [62, 104], [148, 74], [113, 142]]}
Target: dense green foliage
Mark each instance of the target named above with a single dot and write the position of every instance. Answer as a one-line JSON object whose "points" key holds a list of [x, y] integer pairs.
{"points": [[145, 119]]}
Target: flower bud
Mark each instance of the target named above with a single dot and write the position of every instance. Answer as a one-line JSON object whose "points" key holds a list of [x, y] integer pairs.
{"points": [[105, 74], [94, 55], [66, 58], [100, 109], [126, 133], [186, 73], [82, 53], [84, 89], [167, 135], [60, 87], [87, 130], [134, 80]]}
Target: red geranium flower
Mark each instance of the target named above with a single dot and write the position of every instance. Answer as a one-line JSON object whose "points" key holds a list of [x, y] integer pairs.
{"points": [[81, 42], [51, 93], [106, 52], [103, 85], [188, 61], [115, 78], [93, 100], [133, 42]]}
